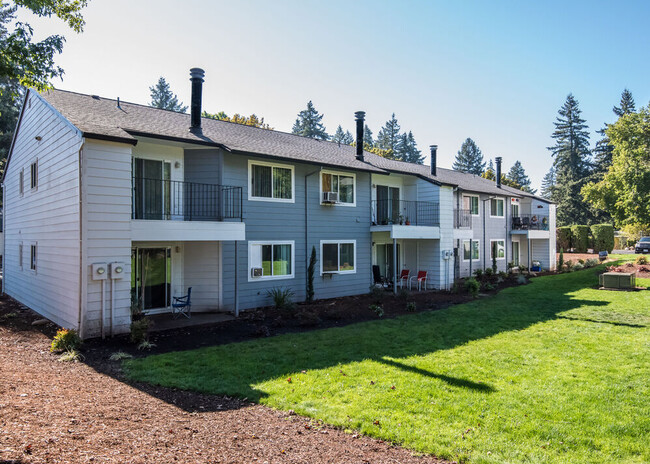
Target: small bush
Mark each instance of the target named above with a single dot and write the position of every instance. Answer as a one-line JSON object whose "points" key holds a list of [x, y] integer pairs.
{"points": [[487, 286], [140, 330], [580, 239], [403, 294], [478, 273], [411, 307], [503, 276], [522, 268], [377, 293], [489, 272], [592, 262], [145, 345], [577, 267], [563, 235], [569, 265], [119, 355], [641, 260], [282, 298], [521, 279], [65, 340], [378, 310], [472, 287], [560, 261], [603, 237], [71, 356]]}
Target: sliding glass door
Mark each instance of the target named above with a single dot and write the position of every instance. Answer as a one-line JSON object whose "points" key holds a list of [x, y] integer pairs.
{"points": [[385, 259], [151, 277], [387, 204], [151, 189]]}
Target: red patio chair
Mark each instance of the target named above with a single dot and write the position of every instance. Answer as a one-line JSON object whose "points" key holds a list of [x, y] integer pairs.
{"points": [[404, 277], [421, 279]]}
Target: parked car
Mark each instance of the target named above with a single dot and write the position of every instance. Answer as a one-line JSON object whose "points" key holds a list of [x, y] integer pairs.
{"points": [[643, 245]]}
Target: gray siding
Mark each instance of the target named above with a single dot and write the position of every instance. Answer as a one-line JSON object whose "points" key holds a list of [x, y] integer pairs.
{"points": [[286, 221], [203, 166]]}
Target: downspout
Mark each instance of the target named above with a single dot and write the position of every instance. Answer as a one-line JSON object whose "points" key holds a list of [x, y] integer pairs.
{"points": [[484, 234], [307, 228], [82, 269], [507, 231], [236, 280]]}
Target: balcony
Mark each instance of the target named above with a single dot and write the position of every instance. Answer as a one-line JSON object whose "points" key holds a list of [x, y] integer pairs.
{"points": [[185, 211], [462, 219], [406, 219], [533, 226]]}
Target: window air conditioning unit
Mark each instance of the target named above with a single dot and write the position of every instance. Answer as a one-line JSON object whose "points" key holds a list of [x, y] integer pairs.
{"points": [[330, 197], [256, 272]]}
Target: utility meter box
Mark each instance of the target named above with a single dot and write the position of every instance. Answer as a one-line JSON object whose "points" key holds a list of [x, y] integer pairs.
{"points": [[99, 271], [116, 270]]}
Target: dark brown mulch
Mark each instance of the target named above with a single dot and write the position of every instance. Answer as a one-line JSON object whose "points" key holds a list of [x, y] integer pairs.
{"points": [[53, 412]]}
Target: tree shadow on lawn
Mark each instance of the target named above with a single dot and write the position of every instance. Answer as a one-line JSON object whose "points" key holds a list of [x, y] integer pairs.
{"points": [[236, 369]]}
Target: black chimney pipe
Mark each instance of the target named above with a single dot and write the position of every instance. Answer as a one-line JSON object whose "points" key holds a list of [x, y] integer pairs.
{"points": [[360, 115], [498, 159], [434, 158], [196, 76]]}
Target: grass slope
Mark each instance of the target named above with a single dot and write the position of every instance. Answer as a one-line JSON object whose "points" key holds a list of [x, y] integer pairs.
{"points": [[552, 372]]}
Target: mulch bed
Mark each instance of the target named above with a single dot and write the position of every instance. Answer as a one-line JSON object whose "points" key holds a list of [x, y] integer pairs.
{"points": [[642, 270], [54, 412]]}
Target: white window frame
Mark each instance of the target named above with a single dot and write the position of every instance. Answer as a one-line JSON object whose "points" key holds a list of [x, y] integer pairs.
{"points": [[20, 256], [492, 215], [33, 175], [339, 173], [253, 243], [492, 248], [21, 182], [272, 165], [478, 248], [339, 243], [478, 204], [33, 256]]}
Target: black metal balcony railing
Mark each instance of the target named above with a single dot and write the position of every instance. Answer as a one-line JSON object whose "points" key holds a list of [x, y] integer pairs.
{"points": [[416, 213], [185, 201], [462, 219], [530, 222]]}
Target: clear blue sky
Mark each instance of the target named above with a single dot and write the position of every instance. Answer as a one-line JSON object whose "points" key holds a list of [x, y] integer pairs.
{"points": [[494, 71]]}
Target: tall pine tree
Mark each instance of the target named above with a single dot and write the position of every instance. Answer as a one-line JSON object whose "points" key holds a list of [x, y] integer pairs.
{"points": [[407, 149], [162, 97], [603, 150], [368, 141], [548, 183], [627, 104], [341, 137], [517, 174], [571, 160], [388, 137], [308, 124], [469, 158]]}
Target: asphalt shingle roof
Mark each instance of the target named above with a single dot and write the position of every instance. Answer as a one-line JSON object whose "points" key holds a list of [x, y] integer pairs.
{"points": [[101, 117]]}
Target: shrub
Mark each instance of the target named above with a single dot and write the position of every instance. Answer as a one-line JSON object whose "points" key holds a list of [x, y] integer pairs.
{"points": [[581, 261], [402, 294], [603, 237], [563, 235], [145, 345], [71, 356], [377, 293], [580, 238], [560, 261], [641, 260], [282, 298], [310, 275], [592, 262], [577, 267], [378, 310], [478, 273], [140, 330], [489, 272], [119, 355], [487, 286], [65, 340], [521, 279], [411, 307], [569, 265], [472, 286]]}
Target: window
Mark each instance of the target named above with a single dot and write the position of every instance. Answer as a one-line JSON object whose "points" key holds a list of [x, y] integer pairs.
{"points": [[270, 182], [470, 251], [515, 209], [470, 202], [275, 259], [33, 175], [21, 182], [337, 257], [498, 249], [496, 207], [20, 256], [343, 184], [32, 257]]}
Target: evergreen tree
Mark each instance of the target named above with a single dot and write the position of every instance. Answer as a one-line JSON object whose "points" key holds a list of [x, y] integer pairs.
{"points": [[517, 174], [491, 174], [162, 97], [308, 124], [388, 137], [368, 141], [627, 104], [10, 101], [470, 159], [342, 138], [571, 160], [407, 149], [548, 183]]}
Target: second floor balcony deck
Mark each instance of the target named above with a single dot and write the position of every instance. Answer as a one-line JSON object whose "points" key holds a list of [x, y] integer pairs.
{"points": [[406, 219]]}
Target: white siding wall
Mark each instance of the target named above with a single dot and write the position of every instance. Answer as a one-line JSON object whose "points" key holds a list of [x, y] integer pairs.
{"points": [[107, 230], [47, 215]]}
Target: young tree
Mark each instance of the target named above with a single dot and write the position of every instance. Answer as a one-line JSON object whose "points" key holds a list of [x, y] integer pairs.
{"points": [[571, 160], [517, 174], [627, 104], [624, 192], [341, 137], [308, 124], [407, 149], [30, 63], [548, 183], [162, 97], [220, 116], [388, 137], [469, 158]]}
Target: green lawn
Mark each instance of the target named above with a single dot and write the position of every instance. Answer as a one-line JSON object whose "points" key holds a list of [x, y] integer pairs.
{"points": [[551, 372]]}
